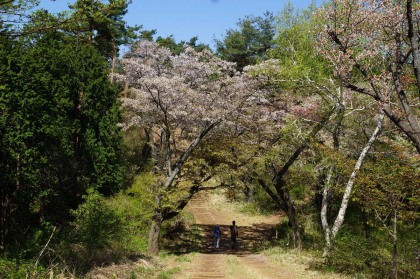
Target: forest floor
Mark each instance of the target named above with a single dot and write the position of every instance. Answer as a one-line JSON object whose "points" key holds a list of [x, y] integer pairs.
{"points": [[252, 257]]}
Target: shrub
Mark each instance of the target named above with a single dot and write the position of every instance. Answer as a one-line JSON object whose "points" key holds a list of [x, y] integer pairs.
{"points": [[355, 254], [14, 269], [95, 236], [135, 206], [96, 225]]}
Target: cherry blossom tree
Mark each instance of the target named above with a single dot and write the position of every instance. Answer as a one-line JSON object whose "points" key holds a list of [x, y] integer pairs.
{"points": [[290, 100], [300, 91], [368, 45], [298, 67], [179, 100]]}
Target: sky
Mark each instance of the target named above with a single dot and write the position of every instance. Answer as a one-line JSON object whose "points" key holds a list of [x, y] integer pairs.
{"points": [[184, 19]]}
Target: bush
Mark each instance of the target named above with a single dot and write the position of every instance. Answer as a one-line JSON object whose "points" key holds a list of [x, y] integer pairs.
{"points": [[135, 206], [109, 230], [355, 254], [95, 236], [13, 269], [409, 251], [96, 225]]}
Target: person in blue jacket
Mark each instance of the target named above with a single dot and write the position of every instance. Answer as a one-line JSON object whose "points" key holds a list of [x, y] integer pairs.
{"points": [[217, 234]]}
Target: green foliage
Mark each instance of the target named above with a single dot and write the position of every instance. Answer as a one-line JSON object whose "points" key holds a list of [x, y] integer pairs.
{"points": [[13, 269], [147, 35], [167, 274], [371, 255], [302, 182], [107, 230], [284, 233], [390, 183], [49, 159], [96, 236], [96, 225], [294, 46], [250, 43], [177, 48], [135, 206], [135, 153], [386, 184], [355, 254], [261, 203], [408, 250], [17, 10], [102, 25]]}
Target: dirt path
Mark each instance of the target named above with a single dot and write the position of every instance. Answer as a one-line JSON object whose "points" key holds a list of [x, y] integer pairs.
{"points": [[243, 262]]}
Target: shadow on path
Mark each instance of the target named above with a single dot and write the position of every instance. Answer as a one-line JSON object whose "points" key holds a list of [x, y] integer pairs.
{"points": [[200, 239]]}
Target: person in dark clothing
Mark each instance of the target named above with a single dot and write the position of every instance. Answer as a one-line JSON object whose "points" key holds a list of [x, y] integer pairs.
{"points": [[233, 234]]}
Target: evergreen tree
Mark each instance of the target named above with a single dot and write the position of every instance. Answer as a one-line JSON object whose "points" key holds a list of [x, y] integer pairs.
{"points": [[178, 48], [58, 132], [12, 13], [250, 43]]}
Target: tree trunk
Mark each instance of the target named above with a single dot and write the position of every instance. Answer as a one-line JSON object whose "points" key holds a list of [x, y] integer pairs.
{"points": [[5, 212], [283, 192], [298, 230], [249, 192], [282, 196], [338, 126], [324, 211], [187, 153], [413, 35], [346, 197], [173, 210], [284, 202], [413, 129], [404, 126], [325, 193], [154, 235], [394, 269], [114, 59]]}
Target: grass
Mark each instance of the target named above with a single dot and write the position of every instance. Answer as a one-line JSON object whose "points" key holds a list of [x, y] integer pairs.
{"points": [[232, 264], [167, 274], [302, 260], [183, 259]]}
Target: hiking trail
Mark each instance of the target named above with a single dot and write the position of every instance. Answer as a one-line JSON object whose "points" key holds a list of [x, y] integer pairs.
{"points": [[246, 261]]}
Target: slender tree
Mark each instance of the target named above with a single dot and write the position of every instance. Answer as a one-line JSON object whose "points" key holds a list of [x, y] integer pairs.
{"points": [[331, 233], [297, 83], [413, 20]]}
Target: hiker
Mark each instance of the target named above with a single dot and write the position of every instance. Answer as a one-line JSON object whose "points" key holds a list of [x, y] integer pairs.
{"points": [[216, 233], [233, 234]]}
